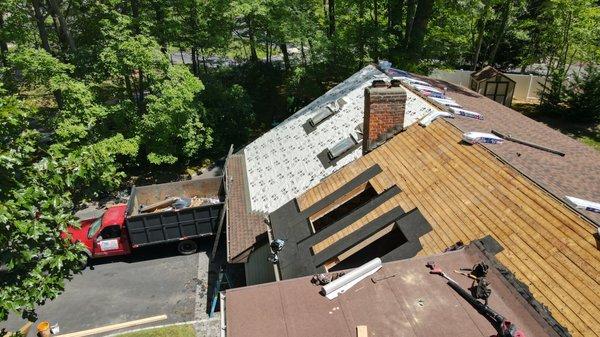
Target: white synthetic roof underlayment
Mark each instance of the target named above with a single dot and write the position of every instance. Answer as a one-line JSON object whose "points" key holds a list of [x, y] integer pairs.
{"points": [[283, 163]]}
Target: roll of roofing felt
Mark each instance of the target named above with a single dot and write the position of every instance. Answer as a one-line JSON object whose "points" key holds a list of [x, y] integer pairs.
{"points": [[425, 121], [340, 285], [584, 204], [466, 113], [481, 137], [427, 88]]}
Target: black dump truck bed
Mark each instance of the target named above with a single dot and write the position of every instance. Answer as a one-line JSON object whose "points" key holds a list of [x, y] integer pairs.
{"points": [[202, 200]]}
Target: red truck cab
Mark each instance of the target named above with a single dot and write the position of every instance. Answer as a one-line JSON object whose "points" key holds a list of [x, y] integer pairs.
{"points": [[106, 235]]}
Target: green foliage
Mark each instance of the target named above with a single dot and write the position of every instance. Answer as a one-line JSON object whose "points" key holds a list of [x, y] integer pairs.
{"points": [[172, 127], [230, 107], [38, 67], [34, 209], [583, 98]]}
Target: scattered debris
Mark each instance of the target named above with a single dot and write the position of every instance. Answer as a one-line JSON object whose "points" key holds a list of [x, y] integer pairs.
{"points": [[157, 205], [480, 289], [375, 280], [323, 279], [458, 245], [480, 270], [178, 203], [530, 144], [481, 137]]}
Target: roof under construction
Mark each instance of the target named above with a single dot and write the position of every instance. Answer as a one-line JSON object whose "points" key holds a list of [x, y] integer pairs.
{"points": [[464, 192], [400, 299]]}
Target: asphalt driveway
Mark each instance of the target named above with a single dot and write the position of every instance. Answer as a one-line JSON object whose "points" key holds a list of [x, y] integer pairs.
{"points": [[151, 282]]}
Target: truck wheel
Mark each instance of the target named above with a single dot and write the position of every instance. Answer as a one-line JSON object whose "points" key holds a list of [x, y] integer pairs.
{"points": [[187, 247]]}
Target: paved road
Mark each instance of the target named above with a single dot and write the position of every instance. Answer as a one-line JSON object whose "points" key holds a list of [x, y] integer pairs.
{"points": [[151, 282]]}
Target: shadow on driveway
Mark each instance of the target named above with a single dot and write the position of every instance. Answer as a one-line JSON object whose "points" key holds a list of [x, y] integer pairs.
{"points": [[152, 281]]}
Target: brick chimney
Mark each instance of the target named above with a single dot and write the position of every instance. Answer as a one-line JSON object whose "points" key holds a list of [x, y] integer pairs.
{"points": [[384, 113]]}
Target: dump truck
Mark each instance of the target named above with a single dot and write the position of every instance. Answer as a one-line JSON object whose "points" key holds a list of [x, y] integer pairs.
{"points": [[177, 212]]}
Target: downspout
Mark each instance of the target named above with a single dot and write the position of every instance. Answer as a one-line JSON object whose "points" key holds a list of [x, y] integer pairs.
{"points": [[223, 313]]}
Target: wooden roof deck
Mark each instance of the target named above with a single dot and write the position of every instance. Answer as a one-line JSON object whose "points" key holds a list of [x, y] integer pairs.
{"points": [[465, 193]]}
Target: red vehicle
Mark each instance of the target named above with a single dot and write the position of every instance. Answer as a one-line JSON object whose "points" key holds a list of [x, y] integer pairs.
{"points": [[124, 227]]}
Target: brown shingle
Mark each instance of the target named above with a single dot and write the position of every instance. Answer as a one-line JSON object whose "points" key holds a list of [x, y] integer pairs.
{"points": [[243, 226]]}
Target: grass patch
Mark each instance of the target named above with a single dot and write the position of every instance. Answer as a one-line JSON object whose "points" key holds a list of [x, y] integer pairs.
{"points": [[586, 133], [186, 330]]}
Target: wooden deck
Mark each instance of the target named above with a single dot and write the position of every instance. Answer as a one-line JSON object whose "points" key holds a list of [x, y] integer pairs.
{"points": [[465, 193]]}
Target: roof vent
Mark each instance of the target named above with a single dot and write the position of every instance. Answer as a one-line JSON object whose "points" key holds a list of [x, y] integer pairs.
{"points": [[342, 147], [321, 115], [327, 111]]}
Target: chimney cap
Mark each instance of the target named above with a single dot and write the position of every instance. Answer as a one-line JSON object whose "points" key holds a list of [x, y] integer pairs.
{"points": [[395, 83], [378, 84]]}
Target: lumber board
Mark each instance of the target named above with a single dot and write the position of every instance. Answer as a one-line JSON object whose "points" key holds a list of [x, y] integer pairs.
{"points": [[114, 327], [362, 331]]}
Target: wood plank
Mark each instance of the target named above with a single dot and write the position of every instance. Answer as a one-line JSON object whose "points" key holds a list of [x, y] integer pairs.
{"points": [[361, 331]]}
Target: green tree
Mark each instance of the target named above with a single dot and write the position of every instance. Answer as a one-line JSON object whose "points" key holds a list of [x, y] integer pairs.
{"points": [[173, 127]]}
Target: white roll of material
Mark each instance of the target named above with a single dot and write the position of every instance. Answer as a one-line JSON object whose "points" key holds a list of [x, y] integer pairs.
{"points": [[339, 286]]}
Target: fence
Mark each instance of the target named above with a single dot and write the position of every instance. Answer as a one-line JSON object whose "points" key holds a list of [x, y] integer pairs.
{"points": [[526, 87]]}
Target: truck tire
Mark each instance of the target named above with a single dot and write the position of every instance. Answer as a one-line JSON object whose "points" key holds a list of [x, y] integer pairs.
{"points": [[187, 247]]}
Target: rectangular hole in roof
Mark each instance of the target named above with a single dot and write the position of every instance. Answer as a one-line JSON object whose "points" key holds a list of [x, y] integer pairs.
{"points": [[385, 241], [346, 205]]}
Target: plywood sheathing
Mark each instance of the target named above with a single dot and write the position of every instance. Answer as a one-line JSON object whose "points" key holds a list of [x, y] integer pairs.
{"points": [[465, 192]]}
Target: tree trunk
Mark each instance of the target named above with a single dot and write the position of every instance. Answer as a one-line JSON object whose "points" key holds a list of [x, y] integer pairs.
{"points": [[419, 28], [253, 55], [411, 7], [141, 103], [480, 31], [160, 18], [129, 89], [64, 29], [361, 35], [395, 13], [501, 31], [3, 43], [39, 19], [376, 25], [302, 53], [194, 61], [204, 62], [135, 13], [331, 14], [286, 56], [395, 16]]}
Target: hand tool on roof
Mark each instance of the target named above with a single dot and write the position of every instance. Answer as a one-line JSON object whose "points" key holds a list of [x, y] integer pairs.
{"points": [[375, 280], [469, 275], [503, 327], [526, 143]]}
